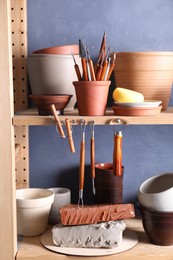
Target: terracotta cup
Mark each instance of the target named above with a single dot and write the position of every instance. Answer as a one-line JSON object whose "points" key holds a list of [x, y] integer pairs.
{"points": [[92, 97], [109, 188]]}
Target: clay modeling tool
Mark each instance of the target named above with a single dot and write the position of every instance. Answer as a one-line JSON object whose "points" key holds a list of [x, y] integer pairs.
{"points": [[102, 47], [69, 134], [58, 123], [91, 66], [88, 66], [107, 69], [82, 54], [112, 65], [99, 69], [117, 153], [92, 156], [82, 162], [105, 65], [76, 67]]}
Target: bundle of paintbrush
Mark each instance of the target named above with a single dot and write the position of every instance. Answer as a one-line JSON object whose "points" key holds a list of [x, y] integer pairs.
{"points": [[102, 69]]}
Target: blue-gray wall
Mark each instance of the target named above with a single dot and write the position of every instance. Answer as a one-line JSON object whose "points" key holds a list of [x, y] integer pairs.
{"points": [[131, 25]]}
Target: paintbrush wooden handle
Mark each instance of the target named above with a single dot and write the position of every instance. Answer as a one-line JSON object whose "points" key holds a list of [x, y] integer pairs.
{"points": [[93, 77], [60, 129], [82, 165], [99, 72], [110, 70], [117, 154], [84, 67], [105, 64], [78, 72], [70, 137], [92, 155]]}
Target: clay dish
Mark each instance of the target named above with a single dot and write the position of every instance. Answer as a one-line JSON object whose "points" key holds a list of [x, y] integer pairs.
{"points": [[136, 111], [44, 102]]}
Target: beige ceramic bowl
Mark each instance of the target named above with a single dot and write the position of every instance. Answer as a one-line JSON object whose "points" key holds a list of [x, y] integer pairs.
{"points": [[156, 193], [53, 74], [33, 208]]}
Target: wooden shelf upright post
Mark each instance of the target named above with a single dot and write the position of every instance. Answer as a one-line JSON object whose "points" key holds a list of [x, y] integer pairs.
{"points": [[7, 154]]}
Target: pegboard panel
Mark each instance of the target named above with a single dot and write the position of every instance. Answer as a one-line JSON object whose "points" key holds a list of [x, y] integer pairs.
{"points": [[22, 162], [20, 86], [19, 52]]}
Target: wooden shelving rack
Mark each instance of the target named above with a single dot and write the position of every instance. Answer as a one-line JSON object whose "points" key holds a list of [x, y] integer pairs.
{"points": [[14, 134]]}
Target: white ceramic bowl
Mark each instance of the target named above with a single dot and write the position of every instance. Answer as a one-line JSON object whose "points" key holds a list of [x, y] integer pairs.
{"points": [[62, 197], [156, 193], [33, 208], [53, 74]]}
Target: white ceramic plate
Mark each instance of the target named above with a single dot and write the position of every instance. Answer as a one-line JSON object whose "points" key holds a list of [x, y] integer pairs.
{"points": [[130, 239], [146, 103]]}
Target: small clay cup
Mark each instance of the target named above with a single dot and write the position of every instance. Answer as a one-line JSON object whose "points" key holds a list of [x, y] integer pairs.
{"points": [[158, 226], [109, 187], [92, 97]]}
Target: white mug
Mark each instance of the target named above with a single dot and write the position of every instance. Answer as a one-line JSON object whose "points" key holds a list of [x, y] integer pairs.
{"points": [[62, 196]]}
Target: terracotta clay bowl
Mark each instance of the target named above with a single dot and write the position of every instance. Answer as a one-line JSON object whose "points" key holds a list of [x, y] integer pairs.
{"points": [[136, 111], [62, 50], [158, 226], [44, 102]]}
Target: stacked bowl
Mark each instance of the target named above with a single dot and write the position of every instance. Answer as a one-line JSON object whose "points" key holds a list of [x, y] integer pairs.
{"points": [[156, 205], [51, 72], [150, 73]]}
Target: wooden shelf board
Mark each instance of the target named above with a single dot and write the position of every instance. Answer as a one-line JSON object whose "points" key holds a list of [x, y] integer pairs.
{"points": [[31, 248], [31, 117]]}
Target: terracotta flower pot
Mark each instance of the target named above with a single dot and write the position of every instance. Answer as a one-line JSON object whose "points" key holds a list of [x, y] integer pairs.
{"points": [[62, 50], [150, 73], [91, 97]]}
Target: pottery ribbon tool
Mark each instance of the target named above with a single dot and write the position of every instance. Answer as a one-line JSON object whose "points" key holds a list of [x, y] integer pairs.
{"points": [[69, 134], [82, 162], [91, 66], [58, 123], [92, 156], [82, 54], [117, 153], [100, 68], [76, 67], [105, 65], [112, 65]]}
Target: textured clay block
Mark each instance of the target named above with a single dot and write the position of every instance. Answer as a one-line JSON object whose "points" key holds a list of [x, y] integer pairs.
{"points": [[72, 214], [105, 234]]}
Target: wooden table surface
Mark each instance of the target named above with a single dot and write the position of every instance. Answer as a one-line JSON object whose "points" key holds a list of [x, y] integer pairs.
{"points": [[31, 249]]}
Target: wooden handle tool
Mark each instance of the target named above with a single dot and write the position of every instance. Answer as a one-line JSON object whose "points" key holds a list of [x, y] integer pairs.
{"points": [[82, 164], [58, 123], [112, 65], [92, 156], [76, 68], [84, 67], [93, 77], [117, 154], [69, 133]]}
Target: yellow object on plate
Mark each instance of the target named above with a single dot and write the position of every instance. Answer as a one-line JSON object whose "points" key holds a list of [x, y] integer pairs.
{"points": [[127, 95]]}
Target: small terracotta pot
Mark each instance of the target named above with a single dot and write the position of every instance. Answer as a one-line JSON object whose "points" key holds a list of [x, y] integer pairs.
{"points": [[92, 97], [109, 188]]}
